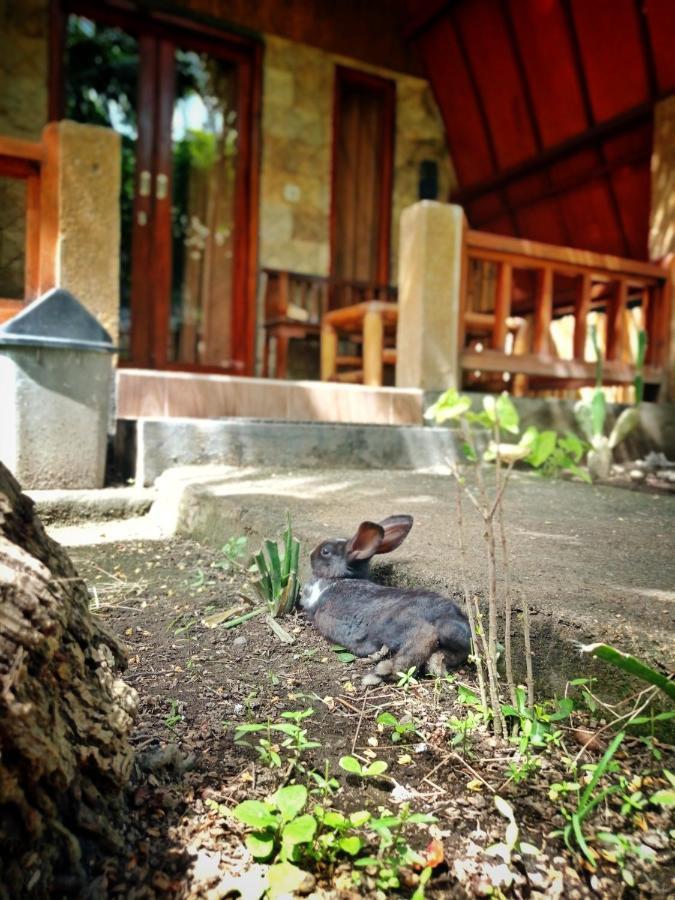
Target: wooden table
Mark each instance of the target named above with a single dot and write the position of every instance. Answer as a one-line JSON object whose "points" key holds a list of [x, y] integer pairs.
{"points": [[366, 321]]}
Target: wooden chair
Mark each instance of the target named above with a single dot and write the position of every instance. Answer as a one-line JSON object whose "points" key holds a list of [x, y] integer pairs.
{"points": [[294, 305], [372, 324]]}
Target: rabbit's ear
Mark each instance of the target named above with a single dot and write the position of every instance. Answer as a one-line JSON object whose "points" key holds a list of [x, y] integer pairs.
{"points": [[396, 530], [365, 543]]}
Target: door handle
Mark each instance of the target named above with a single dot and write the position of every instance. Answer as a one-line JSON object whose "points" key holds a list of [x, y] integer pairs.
{"points": [[162, 186], [144, 183]]}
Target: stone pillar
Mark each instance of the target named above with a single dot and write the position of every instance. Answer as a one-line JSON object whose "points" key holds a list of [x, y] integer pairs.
{"points": [[80, 217], [430, 272], [662, 213]]}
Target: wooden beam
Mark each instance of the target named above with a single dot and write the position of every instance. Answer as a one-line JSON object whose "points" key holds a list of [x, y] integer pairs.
{"points": [[543, 311], [571, 256], [566, 185], [617, 125], [502, 305], [17, 149], [582, 307], [614, 372], [9, 308], [329, 352], [616, 306], [32, 257], [426, 14], [373, 339]]}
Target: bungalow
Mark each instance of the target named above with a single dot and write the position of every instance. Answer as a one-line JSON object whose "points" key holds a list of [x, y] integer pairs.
{"points": [[263, 154]]}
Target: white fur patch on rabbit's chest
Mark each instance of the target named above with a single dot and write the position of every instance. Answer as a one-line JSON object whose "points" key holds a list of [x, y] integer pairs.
{"points": [[312, 594]]}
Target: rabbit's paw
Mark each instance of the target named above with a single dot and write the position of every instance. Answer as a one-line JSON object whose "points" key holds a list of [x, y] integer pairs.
{"points": [[370, 679], [385, 667], [436, 665], [379, 654]]}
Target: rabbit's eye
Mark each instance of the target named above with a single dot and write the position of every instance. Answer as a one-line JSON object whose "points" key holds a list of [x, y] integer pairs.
{"points": [[325, 551]]}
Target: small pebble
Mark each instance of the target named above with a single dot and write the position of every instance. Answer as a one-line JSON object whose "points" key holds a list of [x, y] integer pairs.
{"points": [[637, 475], [240, 641]]}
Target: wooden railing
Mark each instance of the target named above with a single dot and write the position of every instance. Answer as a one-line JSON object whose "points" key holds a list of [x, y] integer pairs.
{"points": [[507, 281], [24, 160]]}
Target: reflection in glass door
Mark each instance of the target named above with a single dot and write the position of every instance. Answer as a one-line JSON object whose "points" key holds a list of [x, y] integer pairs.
{"points": [[204, 141], [182, 106]]}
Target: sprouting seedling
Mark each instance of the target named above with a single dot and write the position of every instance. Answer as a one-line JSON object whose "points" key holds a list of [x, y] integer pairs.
{"points": [[372, 770], [401, 728]]}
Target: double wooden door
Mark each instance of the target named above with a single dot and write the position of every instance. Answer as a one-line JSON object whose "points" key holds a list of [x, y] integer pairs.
{"points": [[182, 102]]}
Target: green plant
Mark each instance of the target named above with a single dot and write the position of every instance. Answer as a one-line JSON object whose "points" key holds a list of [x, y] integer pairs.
{"points": [[633, 666], [665, 797], [498, 417], [269, 747], [407, 679], [522, 768], [175, 716], [588, 800], [278, 583], [401, 728], [621, 849], [279, 826], [512, 840], [343, 655], [463, 728], [325, 783], [393, 850], [234, 551], [371, 770], [551, 453], [591, 414], [535, 722], [283, 832]]}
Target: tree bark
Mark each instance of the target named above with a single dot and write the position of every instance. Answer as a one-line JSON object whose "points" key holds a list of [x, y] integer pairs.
{"points": [[64, 715]]}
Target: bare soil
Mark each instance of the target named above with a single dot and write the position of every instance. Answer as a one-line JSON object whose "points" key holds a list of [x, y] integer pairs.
{"points": [[196, 683]]}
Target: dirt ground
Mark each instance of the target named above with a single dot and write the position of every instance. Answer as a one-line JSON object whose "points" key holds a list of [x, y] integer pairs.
{"points": [[197, 683]]}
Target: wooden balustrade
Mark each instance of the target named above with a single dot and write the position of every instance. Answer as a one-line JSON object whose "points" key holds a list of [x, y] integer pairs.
{"points": [[24, 160], [538, 282]]}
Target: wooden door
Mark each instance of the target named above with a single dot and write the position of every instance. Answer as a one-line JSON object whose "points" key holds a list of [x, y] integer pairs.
{"points": [[363, 144], [186, 115]]}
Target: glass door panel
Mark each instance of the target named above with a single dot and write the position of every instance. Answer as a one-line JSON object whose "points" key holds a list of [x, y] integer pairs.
{"points": [[182, 104], [204, 159]]}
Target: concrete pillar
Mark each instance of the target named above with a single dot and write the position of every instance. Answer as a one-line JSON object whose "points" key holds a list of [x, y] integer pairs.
{"points": [[80, 217], [662, 212], [430, 272]]}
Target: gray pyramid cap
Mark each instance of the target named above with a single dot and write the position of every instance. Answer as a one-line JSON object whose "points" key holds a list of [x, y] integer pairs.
{"points": [[56, 320]]}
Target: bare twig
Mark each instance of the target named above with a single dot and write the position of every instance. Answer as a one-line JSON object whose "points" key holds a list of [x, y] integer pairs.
{"points": [[468, 601], [488, 535], [358, 724]]}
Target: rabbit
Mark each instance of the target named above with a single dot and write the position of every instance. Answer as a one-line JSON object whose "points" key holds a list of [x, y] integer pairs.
{"points": [[421, 628]]}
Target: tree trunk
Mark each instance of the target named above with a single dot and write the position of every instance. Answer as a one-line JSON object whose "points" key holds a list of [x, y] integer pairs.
{"points": [[64, 716]]}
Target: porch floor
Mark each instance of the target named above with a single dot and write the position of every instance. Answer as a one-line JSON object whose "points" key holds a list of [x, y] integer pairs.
{"points": [[149, 393]]}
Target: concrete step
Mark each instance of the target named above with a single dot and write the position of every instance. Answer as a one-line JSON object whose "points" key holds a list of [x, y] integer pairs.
{"points": [[146, 447]]}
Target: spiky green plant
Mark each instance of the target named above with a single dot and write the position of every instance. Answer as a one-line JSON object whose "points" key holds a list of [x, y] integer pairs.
{"points": [[591, 414], [278, 584]]}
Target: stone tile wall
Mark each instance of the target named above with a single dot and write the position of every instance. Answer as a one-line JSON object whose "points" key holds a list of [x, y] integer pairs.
{"points": [[24, 28]]}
